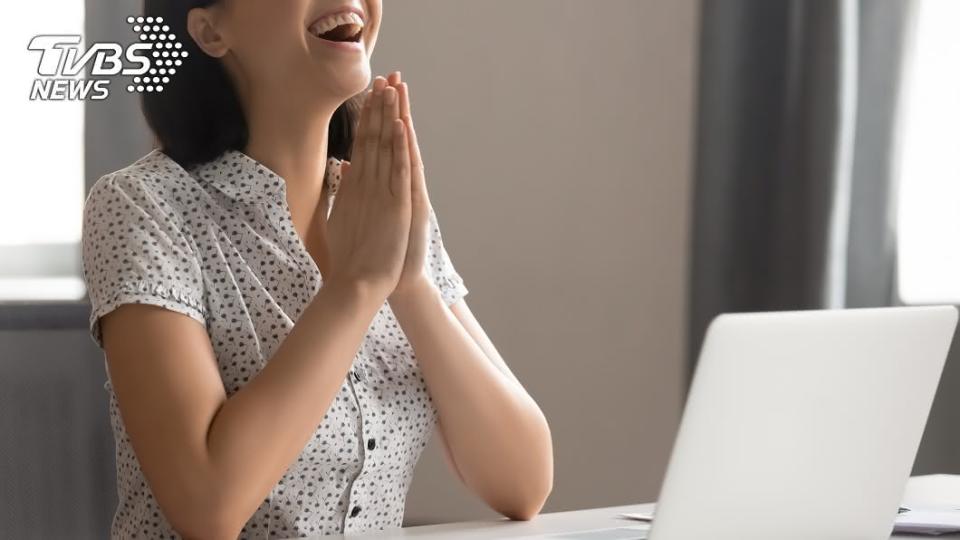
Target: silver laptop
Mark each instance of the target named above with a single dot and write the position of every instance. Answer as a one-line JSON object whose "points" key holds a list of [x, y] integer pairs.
{"points": [[800, 425]]}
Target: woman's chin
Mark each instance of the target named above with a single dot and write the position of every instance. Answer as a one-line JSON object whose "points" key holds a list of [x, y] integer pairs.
{"points": [[347, 83]]}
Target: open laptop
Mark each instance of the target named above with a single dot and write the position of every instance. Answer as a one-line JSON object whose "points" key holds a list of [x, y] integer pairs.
{"points": [[800, 425]]}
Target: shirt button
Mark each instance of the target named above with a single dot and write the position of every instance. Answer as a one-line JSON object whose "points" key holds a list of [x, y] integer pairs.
{"points": [[355, 511], [371, 444]]}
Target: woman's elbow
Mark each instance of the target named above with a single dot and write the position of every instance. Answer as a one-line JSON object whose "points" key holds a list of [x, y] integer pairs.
{"points": [[530, 504], [199, 514], [524, 513]]}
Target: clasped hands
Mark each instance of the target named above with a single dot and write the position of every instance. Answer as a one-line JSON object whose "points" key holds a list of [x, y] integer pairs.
{"points": [[378, 229]]}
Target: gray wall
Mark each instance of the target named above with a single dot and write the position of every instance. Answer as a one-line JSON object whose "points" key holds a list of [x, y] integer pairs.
{"points": [[558, 144]]}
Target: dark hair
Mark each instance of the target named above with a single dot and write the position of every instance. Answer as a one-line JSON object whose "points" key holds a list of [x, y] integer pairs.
{"points": [[198, 114]]}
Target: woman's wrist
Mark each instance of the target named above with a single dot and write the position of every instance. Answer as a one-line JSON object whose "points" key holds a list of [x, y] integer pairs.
{"points": [[357, 291], [420, 288]]}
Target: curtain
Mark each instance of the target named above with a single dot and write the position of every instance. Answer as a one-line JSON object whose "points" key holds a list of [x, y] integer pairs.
{"points": [[794, 195]]}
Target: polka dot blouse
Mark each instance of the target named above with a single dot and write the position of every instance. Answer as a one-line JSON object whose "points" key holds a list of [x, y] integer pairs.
{"points": [[217, 243]]}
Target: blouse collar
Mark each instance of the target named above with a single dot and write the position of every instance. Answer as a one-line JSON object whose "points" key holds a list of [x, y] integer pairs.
{"points": [[245, 179]]}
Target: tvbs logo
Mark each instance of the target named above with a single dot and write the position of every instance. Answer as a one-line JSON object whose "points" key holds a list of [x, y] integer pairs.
{"points": [[151, 62]]}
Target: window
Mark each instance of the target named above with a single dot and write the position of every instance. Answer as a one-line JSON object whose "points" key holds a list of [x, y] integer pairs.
{"points": [[42, 189], [928, 222]]}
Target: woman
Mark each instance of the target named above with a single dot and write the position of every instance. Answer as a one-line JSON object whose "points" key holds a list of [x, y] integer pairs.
{"points": [[282, 327]]}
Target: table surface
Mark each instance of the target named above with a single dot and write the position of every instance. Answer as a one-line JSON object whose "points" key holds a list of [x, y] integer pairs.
{"points": [[921, 490]]}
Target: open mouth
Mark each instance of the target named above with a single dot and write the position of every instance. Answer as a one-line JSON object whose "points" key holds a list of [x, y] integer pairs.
{"points": [[346, 27]]}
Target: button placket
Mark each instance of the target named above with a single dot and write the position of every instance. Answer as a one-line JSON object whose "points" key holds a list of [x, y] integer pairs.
{"points": [[355, 505], [371, 441]]}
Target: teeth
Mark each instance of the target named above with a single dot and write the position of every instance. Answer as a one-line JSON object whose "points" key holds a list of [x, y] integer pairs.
{"points": [[327, 24]]}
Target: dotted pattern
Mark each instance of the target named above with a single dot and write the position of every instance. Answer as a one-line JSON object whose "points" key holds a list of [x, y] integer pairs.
{"points": [[217, 244], [167, 54]]}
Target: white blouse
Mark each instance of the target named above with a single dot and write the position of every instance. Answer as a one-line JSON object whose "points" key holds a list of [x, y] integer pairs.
{"points": [[217, 243]]}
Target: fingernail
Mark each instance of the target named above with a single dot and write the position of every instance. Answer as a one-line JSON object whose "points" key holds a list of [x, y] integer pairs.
{"points": [[391, 95]]}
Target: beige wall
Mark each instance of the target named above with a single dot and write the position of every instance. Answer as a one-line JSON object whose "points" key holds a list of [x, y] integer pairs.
{"points": [[557, 138]]}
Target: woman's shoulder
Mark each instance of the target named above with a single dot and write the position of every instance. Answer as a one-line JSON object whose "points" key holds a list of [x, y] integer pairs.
{"points": [[137, 243], [154, 171], [154, 185]]}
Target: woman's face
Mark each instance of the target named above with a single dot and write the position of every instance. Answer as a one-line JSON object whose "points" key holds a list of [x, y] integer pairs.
{"points": [[273, 51]]}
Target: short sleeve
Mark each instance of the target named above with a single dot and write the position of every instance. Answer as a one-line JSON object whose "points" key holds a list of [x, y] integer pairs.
{"points": [[441, 269], [133, 251]]}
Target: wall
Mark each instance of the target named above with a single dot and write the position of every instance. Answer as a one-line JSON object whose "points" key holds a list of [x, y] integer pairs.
{"points": [[557, 139]]}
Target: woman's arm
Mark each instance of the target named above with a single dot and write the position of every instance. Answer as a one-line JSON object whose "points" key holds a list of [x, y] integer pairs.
{"points": [[498, 437], [211, 461]]}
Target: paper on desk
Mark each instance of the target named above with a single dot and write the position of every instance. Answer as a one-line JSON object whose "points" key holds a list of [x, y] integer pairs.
{"points": [[928, 521]]}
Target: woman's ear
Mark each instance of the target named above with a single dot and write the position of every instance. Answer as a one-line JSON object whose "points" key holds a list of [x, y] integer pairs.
{"points": [[202, 26]]}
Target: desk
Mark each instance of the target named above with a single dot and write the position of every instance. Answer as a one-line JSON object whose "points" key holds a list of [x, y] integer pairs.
{"points": [[934, 489]]}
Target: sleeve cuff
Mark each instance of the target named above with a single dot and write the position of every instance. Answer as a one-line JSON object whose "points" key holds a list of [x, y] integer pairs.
{"points": [[141, 292], [452, 288]]}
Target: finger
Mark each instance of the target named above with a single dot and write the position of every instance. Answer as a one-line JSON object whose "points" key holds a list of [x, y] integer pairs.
{"points": [[371, 144], [400, 179], [404, 100], [418, 177], [394, 79], [379, 83], [390, 108], [342, 173], [416, 160], [356, 154]]}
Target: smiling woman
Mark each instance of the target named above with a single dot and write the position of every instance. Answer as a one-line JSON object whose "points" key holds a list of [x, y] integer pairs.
{"points": [[282, 324], [200, 114]]}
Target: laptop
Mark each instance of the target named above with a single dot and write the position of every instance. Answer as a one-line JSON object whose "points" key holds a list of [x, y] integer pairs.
{"points": [[800, 425]]}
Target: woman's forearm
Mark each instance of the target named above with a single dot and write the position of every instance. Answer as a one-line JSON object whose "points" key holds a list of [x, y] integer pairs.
{"points": [[498, 436], [268, 422]]}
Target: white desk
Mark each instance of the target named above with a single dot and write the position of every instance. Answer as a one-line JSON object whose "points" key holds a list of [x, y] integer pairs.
{"points": [[936, 489]]}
